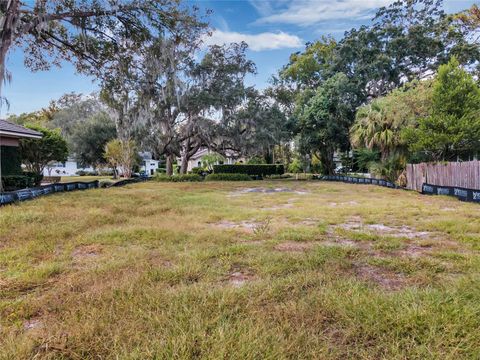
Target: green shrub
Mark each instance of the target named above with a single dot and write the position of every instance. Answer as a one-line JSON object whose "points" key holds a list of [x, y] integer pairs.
{"points": [[198, 170], [228, 177], [177, 178], [250, 169], [17, 182], [161, 171]]}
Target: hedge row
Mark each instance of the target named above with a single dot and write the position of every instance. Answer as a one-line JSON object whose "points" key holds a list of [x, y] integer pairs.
{"points": [[20, 181], [254, 170]]}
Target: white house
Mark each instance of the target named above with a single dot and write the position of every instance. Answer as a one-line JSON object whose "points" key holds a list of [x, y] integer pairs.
{"points": [[196, 159], [148, 164], [71, 167], [67, 168]]}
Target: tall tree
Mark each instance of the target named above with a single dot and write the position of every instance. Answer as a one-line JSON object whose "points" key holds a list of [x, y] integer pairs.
{"points": [[452, 131], [325, 120], [88, 33]]}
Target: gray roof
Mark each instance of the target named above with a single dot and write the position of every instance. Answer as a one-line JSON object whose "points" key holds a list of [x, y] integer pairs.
{"points": [[7, 128]]}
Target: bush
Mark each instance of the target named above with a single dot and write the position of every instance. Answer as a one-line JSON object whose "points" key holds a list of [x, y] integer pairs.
{"points": [[161, 171], [81, 173], [177, 178], [198, 170], [258, 169], [17, 182], [228, 177]]}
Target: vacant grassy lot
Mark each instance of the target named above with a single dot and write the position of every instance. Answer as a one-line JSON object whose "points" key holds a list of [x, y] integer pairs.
{"points": [[257, 270]]}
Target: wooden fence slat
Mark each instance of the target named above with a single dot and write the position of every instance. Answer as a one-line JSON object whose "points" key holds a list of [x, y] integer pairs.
{"points": [[460, 174]]}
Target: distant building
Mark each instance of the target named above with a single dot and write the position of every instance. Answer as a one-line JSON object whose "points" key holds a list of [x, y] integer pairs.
{"points": [[71, 167], [196, 159], [148, 165]]}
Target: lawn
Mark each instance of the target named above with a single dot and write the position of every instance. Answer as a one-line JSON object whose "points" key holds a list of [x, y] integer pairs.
{"points": [[255, 270]]}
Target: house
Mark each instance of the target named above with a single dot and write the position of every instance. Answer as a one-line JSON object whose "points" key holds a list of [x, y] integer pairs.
{"points": [[196, 159], [71, 167], [148, 165], [10, 135], [67, 168]]}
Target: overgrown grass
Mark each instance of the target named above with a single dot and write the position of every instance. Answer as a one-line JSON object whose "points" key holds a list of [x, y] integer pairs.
{"points": [[210, 270]]}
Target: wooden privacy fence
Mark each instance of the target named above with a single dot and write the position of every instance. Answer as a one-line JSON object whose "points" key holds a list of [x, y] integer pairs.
{"points": [[455, 174]]}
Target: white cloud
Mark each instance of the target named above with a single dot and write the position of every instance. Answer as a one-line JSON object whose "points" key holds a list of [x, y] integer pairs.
{"points": [[256, 42], [310, 12]]}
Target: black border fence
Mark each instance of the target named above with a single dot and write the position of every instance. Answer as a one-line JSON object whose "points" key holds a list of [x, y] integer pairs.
{"points": [[32, 193], [460, 193], [359, 180]]}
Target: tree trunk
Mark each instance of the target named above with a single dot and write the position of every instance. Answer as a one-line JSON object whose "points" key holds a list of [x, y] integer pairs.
{"points": [[328, 166], [170, 165], [184, 165]]}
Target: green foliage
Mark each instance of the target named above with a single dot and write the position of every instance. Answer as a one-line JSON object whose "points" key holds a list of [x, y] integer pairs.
{"points": [[364, 158], [211, 159], [89, 139], [256, 160], [10, 160], [177, 178], [378, 125], [389, 169], [16, 182], [37, 153], [122, 154], [227, 177], [452, 130], [326, 118], [259, 169], [295, 166]]}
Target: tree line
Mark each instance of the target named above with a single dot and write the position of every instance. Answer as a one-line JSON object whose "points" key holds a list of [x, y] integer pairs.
{"points": [[403, 88]]}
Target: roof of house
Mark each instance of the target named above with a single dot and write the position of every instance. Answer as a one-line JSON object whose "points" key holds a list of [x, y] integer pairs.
{"points": [[17, 131]]}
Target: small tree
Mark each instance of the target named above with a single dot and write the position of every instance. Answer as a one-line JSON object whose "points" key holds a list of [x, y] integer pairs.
{"points": [[211, 159], [121, 155], [37, 153]]}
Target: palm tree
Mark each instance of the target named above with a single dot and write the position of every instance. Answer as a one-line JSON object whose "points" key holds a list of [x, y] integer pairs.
{"points": [[374, 128]]}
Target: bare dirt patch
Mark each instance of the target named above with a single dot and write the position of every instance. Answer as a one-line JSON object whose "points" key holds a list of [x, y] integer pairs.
{"points": [[248, 226], [86, 252], [240, 276], [291, 246], [386, 279], [356, 224]]}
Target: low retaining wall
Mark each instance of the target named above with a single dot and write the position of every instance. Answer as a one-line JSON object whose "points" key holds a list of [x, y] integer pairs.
{"points": [[32, 193], [460, 193], [359, 180]]}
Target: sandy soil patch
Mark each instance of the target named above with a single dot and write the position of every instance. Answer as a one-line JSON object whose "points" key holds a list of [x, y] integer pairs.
{"points": [[381, 229], [240, 276], [291, 246], [86, 252], [248, 226], [388, 280]]}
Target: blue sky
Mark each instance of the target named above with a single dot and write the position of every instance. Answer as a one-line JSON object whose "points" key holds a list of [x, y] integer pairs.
{"points": [[272, 28]]}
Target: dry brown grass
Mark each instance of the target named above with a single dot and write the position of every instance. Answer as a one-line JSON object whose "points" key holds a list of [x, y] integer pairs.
{"points": [[218, 270]]}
